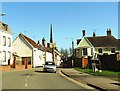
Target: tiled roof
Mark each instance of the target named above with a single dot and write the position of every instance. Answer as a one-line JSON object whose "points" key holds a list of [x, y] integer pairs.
{"points": [[48, 49], [104, 41], [31, 41], [2, 26], [119, 40]]}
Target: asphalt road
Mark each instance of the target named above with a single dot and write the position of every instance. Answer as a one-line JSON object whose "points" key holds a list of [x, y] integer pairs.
{"points": [[35, 79]]}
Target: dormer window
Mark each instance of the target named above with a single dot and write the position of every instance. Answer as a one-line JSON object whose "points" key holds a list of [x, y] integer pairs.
{"points": [[5, 25]]}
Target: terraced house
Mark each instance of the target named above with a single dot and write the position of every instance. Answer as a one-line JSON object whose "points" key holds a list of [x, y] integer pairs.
{"points": [[5, 44]]}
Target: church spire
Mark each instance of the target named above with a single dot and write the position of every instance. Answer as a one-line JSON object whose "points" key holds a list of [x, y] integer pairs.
{"points": [[51, 38]]}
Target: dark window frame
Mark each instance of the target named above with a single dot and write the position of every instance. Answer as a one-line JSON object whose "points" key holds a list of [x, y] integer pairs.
{"points": [[85, 51], [100, 50], [9, 42], [4, 40], [112, 50]]}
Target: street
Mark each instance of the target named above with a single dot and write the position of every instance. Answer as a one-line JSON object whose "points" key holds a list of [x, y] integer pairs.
{"points": [[35, 79]]}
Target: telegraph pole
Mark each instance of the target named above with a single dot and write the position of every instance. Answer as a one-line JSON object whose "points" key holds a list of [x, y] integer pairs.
{"points": [[73, 57]]}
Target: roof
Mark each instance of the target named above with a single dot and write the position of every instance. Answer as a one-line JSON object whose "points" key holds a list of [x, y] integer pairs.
{"points": [[119, 40], [30, 41], [104, 41], [78, 41], [3, 27], [48, 49]]}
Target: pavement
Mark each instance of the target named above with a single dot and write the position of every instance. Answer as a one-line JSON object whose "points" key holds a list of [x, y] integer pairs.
{"points": [[97, 82]]}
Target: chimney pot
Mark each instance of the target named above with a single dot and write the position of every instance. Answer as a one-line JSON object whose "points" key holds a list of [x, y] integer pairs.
{"points": [[38, 42], [44, 42], [83, 33], [109, 32], [94, 34]]}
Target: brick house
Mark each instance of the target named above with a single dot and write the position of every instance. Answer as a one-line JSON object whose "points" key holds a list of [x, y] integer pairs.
{"points": [[100, 45]]}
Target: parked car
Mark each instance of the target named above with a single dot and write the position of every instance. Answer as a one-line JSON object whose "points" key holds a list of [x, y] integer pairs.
{"points": [[49, 66]]}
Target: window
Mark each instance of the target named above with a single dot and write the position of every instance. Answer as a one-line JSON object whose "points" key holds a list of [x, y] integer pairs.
{"points": [[9, 42], [84, 51], [77, 52], [112, 50], [4, 41], [91, 51], [4, 56], [100, 50], [0, 39]]}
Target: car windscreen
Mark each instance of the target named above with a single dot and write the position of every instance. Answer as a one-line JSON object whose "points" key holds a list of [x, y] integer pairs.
{"points": [[49, 63]]}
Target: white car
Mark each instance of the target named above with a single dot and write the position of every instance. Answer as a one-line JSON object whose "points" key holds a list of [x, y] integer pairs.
{"points": [[49, 66]]}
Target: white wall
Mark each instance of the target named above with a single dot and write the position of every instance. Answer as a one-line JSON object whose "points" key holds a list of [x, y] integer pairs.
{"points": [[38, 59], [21, 47], [49, 56], [5, 48], [58, 60]]}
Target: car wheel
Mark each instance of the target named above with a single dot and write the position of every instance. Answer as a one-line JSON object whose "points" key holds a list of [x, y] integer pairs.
{"points": [[44, 70]]}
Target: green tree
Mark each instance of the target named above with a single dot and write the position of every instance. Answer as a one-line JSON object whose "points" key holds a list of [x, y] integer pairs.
{"points": [[66, 52], [70, 51]]}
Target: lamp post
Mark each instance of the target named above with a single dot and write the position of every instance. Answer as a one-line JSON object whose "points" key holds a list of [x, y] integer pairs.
{"points": [[73, 53]]}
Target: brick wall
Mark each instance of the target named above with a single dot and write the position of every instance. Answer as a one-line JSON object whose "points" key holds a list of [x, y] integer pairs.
{"points": [[109, 62], [29, 66], [20, 67], [5, 68]]}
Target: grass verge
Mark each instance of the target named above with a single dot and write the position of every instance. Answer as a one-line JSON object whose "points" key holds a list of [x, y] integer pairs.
{"points": [[106, 73]]}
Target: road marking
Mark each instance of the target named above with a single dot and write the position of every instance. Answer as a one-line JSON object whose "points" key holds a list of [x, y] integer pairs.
{"points": [[26, 85], [26, 80]]}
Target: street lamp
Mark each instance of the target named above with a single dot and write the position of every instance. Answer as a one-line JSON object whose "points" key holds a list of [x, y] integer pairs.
{"points": [[2, 14], [73, 53]]}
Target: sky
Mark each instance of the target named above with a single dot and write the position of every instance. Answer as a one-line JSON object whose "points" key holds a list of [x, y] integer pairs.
{"points": [[68, 19]]}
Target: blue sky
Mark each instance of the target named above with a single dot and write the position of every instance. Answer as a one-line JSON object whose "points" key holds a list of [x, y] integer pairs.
{"points": [[68, 19]]}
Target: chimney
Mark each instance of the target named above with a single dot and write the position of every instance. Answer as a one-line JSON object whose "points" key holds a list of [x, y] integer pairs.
{"points": [[38, 42], [108, 32], [44, 42], [48, 44], [83, 33], [94, 34]]}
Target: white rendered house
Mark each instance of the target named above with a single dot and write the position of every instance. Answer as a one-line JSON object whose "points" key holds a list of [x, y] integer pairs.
{"points": [[25, 48], [5, 44]]}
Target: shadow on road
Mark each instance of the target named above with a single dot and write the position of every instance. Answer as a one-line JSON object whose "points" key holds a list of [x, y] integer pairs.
{"points": [[116, 84], [42, 71], [39, 71]]}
